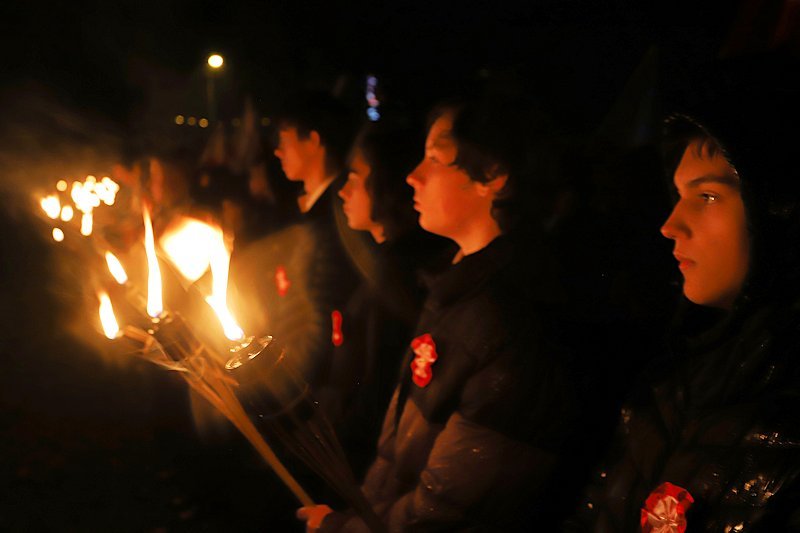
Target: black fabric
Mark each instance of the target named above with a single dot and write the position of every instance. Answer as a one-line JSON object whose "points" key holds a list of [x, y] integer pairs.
{"points": [[476, 447]]}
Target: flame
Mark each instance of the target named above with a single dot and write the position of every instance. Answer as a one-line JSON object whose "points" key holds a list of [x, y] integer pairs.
{"points": [[187, 246], [115, 267], [51, 206], [194, 246], [86, 224], [61, 185], [67, 213], [154, 305], [58, 235], [107, 319]]}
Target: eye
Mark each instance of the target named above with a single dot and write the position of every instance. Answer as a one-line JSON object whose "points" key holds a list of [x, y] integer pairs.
{"points": [[709, 197]]}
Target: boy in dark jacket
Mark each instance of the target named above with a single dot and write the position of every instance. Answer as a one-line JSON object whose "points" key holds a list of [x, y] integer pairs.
{"points": [[710, 441], [473, 432]]}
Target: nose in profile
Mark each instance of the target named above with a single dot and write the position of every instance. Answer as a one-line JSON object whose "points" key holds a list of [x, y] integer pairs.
{"points": [[343, 192], [415, 178], [675, 225]]}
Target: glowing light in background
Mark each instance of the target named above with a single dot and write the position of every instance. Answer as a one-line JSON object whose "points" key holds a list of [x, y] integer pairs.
{"points": [[191, 121], [51, 206], [115, 267], [179, 119], [107, 318], [372, 100], [61, 185], [67, 213], [87, 223], [203, 123], [58, 235], [215, 61], [154, 303]]}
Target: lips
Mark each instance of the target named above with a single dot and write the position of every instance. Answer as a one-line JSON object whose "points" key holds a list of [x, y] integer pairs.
{"points": [[683, 261]]}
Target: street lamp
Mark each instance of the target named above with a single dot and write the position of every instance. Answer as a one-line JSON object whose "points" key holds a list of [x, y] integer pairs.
{"points": [[215, 62]]}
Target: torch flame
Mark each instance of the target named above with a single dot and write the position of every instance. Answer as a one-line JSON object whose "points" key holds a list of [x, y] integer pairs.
{"points": [[154, 304], [107, 319], [193, 246], [115, 267], [87, 222], [51, 206]]}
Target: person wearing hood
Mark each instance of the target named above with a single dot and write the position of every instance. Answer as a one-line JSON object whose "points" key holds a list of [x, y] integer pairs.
{"points": [[710, 438]]}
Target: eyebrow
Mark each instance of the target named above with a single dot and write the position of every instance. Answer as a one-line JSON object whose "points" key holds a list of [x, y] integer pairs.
{"points": [[726, 179]]}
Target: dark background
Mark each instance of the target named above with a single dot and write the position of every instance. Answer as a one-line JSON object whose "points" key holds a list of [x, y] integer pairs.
{"points": [[89, 441]]}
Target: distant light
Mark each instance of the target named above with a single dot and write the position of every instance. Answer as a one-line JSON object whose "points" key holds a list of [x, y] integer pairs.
{"points": [[179, 119], [215, 61], [191, 121], [203, 122], [61, 185], [372, 98], [265, 121], [236, 122], [58, 235], [67, 213]]}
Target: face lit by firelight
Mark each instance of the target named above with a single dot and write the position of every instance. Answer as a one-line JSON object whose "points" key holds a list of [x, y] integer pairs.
{"points": [[709, 227], [357, 201], [447, 199]]}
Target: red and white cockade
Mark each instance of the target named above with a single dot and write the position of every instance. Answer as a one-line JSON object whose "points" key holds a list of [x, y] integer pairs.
{"points": [[425, 355], [665, 509]]}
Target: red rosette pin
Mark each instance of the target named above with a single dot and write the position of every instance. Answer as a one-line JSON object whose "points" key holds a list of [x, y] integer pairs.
{"points": [[424, 356], [282, 280], [337, 337], [665, 509]]}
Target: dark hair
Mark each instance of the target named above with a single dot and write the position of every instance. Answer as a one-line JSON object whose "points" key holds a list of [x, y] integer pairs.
{"points": [[680, 131], [330, 118], [500, 138], [391, 152]]}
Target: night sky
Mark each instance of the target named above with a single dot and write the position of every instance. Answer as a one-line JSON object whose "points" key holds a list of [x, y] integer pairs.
{"points": [[89, 443]]}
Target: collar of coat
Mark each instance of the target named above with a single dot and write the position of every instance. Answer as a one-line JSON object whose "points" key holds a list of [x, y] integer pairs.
{"points": [[469, 274]]}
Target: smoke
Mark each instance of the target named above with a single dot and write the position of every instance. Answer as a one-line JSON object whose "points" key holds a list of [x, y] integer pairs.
{"points": [[43, 139]]}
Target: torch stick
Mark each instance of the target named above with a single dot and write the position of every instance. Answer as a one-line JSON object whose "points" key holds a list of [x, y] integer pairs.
{"points": [[212, 385]]}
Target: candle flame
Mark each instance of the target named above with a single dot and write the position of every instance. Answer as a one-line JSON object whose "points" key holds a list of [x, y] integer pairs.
{"points": [[58, 235], [51, 206], [194, 246], [107, 319], [115, 267], [154, 304]]}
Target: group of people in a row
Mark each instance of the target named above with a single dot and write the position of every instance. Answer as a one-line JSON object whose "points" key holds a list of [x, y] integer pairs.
{"points": [[416, 291]]}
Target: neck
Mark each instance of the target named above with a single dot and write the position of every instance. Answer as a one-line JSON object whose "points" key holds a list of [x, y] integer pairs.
{"points": [[377, 233], [477, 237], [315, 177]]}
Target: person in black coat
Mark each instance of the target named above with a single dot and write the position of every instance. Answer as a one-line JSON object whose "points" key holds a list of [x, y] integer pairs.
{"points": [[474, 430], [295, 283], [384, 309], [710, 439]]}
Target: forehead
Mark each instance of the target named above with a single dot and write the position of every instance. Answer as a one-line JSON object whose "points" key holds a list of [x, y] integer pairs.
{"points": [[439, 136], [698, 166], [287, 132]]}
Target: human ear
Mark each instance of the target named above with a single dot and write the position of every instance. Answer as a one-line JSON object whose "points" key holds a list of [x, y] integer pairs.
{"points": [[313, 137], [493, 186]]}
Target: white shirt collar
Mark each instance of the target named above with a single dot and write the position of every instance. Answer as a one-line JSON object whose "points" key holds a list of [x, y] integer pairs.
{"points": [[308, 200]]}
